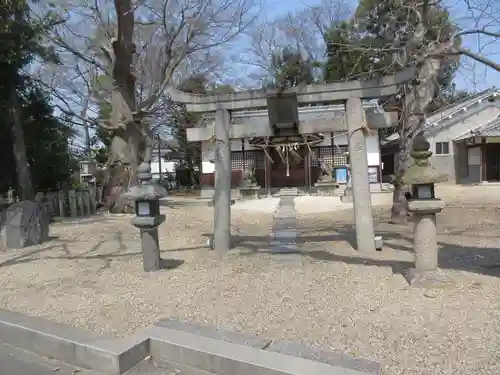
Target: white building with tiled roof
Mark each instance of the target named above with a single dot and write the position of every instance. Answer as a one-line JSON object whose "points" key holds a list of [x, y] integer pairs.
{"points": [[465, 138]]}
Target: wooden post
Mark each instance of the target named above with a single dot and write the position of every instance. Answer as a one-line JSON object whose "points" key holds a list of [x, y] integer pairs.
{"points": [[222, 194]]}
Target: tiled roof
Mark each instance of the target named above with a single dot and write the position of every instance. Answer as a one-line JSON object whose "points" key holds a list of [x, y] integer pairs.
{"points": [[447, 113], [489, 129]]}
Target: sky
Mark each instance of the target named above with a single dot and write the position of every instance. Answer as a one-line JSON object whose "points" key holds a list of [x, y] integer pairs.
{"points": [[471, 76]]}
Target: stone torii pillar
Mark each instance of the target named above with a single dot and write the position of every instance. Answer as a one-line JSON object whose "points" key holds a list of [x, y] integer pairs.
{"points": [[351, 92], [358, 160], [221, 240]]}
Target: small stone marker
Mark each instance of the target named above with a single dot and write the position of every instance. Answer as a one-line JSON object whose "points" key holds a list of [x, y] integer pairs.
{"points": [[26, 224]]}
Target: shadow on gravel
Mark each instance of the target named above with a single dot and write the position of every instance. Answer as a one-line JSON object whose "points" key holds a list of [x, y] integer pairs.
{"points": [[481, 260]]}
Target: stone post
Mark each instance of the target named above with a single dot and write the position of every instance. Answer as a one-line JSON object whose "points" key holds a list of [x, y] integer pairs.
{"points": [[426, 273], [147, 195], [73, 210], [39, 197], [365, 234], [86, 202], [92, 199], [62, 203], [52, 203], [221, 241], [79, 203], [10, 195]]}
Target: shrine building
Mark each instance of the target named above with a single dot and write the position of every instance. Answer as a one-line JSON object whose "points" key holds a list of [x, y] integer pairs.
{"points": [[289, 157]]}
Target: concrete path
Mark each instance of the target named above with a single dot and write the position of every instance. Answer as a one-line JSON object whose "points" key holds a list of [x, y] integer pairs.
{"points": [[15, 361], [284, 234]]}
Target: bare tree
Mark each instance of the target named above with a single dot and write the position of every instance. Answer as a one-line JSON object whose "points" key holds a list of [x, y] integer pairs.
{"points": [[303, 32], [142, 47], [430, 57]]}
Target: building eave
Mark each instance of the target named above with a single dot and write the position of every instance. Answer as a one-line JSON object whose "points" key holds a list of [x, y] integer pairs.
{"points": [[444, 114]]}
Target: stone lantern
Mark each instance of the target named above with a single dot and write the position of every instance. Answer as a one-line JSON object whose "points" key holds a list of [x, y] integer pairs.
{"points": [[424, 206], [87, 171], [148, 217]]}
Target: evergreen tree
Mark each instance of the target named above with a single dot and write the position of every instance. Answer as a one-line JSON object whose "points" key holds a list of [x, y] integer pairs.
{"points": [[289, 68], [20, 42]]}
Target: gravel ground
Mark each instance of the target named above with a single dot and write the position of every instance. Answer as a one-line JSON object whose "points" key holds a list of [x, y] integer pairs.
{"points": [[91, 276]]}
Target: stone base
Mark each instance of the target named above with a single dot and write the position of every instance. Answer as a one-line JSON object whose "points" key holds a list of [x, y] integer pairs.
{"points": [[326, 188], [250, 192], [25, 224], [347, 197], [427, 279]]}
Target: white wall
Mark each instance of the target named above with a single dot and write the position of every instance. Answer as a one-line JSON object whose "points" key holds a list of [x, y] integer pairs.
{"points": [[166, 166], [373, 149], [462, 123], [207, 154]]}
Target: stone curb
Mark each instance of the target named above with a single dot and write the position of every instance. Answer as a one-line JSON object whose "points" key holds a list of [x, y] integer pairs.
{"points": [[192, 348]]}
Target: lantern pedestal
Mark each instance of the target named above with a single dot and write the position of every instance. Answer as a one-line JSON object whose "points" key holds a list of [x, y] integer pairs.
{"points": [[426, 273], [150, 245]]}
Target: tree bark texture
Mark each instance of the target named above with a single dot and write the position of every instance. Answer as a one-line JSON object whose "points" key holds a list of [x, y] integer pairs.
{"points": [[128, 142], [417, 97], [22, 167]]}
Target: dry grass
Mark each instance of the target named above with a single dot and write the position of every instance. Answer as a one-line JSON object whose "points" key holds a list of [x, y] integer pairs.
{"points": [[91, 276]]}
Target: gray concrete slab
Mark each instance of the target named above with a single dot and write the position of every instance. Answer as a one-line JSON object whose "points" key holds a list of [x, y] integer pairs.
{"points": [[225, 358], [324, 356], [192, 349], [71, 345], [214, 333], [14, 361]]}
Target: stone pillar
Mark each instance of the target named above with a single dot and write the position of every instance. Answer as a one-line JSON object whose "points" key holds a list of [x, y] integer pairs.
{"points": [[52, 203], [150, 246], [39, 197], [365, 234], [222, 196], [86, 202], [92, 199], [79, 203], [73, 210], [62, 203]]}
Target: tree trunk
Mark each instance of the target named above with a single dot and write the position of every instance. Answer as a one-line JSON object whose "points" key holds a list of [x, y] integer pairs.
{"points": [[22, 167], [125, 157], [416, 99], [128, 143]]}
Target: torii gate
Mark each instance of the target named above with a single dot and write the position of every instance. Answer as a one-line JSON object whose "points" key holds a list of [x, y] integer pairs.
{"points": [[351, 93]]}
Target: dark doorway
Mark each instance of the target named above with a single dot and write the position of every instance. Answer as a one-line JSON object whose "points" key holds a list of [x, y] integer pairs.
{"points": [[492, 162], [296, 176]]}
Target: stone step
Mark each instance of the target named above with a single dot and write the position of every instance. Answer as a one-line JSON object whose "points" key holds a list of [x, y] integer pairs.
{"points": [[287, 192]]}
